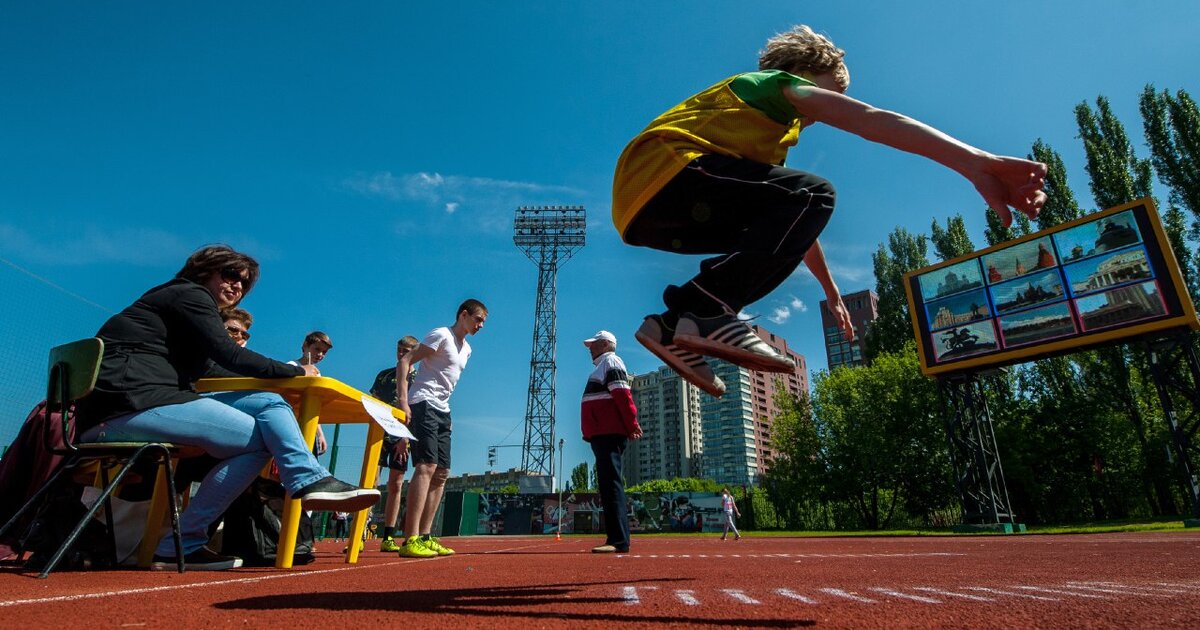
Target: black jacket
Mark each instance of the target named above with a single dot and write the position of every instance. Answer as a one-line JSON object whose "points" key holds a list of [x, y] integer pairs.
{"points": [[157, 347]]}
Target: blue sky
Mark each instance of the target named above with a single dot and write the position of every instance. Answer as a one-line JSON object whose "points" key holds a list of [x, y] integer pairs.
{"points": [[371, 156]]}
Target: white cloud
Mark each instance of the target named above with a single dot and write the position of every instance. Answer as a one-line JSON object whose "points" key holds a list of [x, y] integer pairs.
{"points": [[454, 192], [799, 304], [780, 314], [746, 315]]}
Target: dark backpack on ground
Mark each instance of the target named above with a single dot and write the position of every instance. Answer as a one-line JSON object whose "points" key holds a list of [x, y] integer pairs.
{"points": [[53, 521], [252, 526]]}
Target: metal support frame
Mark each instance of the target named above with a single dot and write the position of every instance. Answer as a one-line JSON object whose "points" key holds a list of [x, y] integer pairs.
{"points": [[973, 454], [1176, 372], [549, 236]]}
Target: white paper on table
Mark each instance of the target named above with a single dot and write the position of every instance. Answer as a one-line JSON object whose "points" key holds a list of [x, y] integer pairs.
{"points": [[382, 414]]}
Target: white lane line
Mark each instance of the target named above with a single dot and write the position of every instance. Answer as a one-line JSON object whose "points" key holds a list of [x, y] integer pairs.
{"points": [[687, 597], [630, 595], [996, 591], [245, 580], [1178, 585], [740, 596], [1058, 591], [837, 592], [1113, 589], [790, 594], [1152, 589], [916, 598], [974, 598]]}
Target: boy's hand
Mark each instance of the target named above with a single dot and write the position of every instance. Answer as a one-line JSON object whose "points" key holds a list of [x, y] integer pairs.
{"points": [[400, 451], [1009, 181], [841, 315]]}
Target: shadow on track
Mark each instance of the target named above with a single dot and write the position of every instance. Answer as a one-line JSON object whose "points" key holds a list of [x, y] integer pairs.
{"points": [[506, 601]]}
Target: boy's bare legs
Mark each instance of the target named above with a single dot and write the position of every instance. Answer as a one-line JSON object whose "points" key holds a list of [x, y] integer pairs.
{"points": [[437, 484], [418, 496]]}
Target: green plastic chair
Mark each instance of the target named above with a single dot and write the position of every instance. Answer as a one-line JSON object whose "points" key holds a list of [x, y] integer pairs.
{"points": [[73, 371]]}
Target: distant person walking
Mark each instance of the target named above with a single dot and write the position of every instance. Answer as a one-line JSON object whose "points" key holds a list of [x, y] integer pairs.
{"points": [[609, 420], [729, 508], [443, 355]]}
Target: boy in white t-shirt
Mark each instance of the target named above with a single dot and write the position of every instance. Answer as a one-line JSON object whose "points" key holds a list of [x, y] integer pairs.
{"points": [[442, 355]]}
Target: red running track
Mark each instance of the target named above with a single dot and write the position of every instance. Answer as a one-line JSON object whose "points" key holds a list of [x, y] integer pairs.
{"points": [[1093, 581]]}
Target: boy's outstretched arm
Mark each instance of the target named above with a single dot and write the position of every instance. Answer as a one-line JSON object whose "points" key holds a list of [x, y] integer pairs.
{"points": [[1001, 181], [814, 259]]}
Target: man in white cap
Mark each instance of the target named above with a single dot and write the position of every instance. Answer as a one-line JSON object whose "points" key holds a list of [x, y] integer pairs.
{"points": [[609, 421]]}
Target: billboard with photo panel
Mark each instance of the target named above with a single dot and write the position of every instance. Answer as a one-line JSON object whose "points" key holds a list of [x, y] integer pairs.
{"points": [[1091, 282]]}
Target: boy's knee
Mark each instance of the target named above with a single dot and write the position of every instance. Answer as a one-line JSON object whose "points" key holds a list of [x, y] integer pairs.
{"points": [[440, 475]]}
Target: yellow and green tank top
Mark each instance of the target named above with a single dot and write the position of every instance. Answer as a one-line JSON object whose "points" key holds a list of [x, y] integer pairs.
{"points": [[745, 116]]}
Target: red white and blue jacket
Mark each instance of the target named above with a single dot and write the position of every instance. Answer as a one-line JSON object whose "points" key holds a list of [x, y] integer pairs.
{"points": [[608, 407]]}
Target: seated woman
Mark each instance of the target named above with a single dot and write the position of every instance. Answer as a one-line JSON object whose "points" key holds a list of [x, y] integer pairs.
{"points": [[154, 350]]}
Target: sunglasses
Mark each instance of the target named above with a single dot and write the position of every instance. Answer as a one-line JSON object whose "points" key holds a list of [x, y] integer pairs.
{"points": [[238, 333], [231, 275]]}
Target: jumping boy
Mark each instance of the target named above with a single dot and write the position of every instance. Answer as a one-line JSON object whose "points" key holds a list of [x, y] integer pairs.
{"points": [[707, 177]]}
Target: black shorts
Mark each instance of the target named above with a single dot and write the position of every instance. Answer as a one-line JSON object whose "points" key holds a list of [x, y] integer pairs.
{"points": [[386, 455], [432, 430]]}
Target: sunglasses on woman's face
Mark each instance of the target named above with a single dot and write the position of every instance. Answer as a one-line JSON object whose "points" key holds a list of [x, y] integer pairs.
{"points": [[231, 275]]}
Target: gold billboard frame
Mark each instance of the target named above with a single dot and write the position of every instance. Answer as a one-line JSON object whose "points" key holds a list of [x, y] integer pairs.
{"points": [[1075, 343]]}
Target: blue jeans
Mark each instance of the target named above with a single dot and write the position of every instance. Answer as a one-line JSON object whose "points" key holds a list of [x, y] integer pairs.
{"points": [[608, 450], [242, 429]]}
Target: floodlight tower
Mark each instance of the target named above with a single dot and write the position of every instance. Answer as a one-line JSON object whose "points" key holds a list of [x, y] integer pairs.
{"points": [[549, 236]]}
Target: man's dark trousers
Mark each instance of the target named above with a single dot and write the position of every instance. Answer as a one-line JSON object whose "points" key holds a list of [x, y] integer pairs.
{"points": [[608, 450]]}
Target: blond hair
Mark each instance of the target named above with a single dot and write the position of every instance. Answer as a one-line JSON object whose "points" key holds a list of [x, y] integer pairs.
{"points": [[802, 50]]}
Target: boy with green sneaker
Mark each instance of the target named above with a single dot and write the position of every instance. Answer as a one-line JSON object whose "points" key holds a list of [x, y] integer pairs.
{"points": [[394, 454], [443, 355]]}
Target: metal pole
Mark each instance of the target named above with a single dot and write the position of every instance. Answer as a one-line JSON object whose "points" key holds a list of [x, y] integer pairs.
{"points": [[560, 505]]}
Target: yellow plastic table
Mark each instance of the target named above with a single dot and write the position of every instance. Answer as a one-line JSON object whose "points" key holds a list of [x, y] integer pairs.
{"points": [[316, 399]]}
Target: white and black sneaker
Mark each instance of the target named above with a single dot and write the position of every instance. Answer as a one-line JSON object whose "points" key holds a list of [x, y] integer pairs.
{"points": [[692, 367], [335, 495], [727, 337], [202, 559]]}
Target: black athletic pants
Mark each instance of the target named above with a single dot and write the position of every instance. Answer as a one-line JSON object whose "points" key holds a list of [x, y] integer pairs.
{"points": [[608, 450], [760, 218]]}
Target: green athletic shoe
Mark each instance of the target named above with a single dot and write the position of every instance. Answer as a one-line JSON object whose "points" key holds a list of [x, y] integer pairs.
{"points": [[434, 545], [415, 548], [388, 544]]}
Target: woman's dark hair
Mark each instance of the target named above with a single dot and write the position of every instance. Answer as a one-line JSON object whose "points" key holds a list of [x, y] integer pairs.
{"points": [[214, 259]]}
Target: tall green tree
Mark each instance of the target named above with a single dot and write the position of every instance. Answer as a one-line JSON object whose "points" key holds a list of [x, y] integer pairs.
{"points": [[1060, 201], [905, 251], [951, 241], [882, 439], [1175, 226], [1172, 126], [795, 480], [579, 478], [1117, 175], [996, 233]]}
